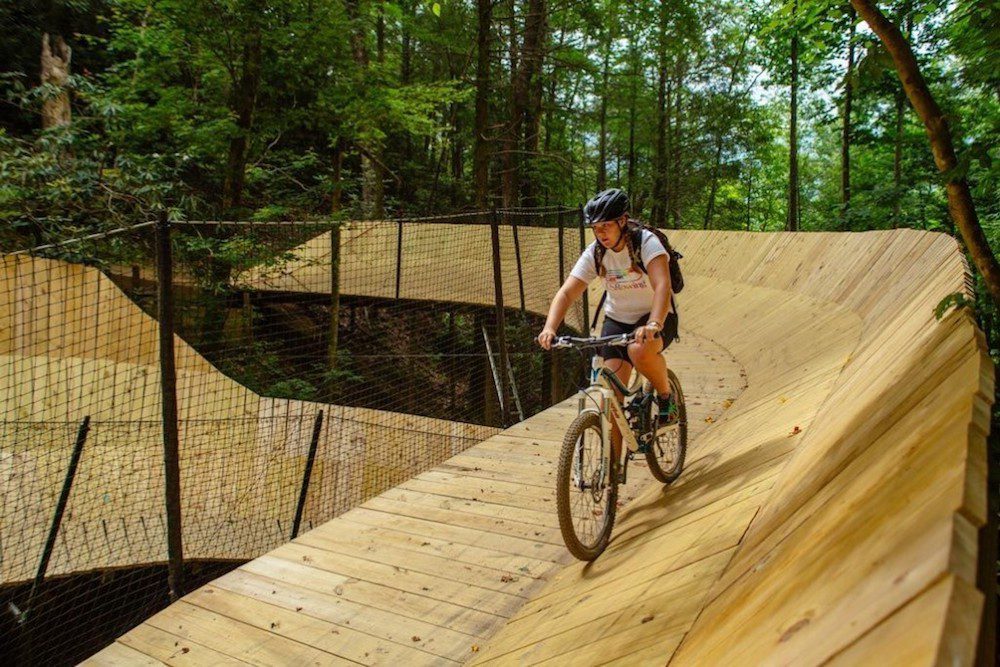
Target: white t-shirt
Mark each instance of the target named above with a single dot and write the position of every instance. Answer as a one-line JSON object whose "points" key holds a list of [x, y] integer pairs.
{"points": [[630, 293]]}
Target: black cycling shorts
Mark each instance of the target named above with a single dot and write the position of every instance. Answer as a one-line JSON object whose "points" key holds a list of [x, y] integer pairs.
{"points": [[613, 327]]}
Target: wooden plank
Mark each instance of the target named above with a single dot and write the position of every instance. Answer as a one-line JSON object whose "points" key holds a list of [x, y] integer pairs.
{"points": [[386, 554], [395, 628], [404, 494], [894, 641], [456, 552], [376, 595], [675, 598], [173, 649], [340, 640], [496, 526], [437, 587], [119, 654], [236, 639]]}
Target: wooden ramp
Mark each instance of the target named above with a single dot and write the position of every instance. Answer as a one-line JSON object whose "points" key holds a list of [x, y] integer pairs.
{"points": [[828, 514], [423, 574]]}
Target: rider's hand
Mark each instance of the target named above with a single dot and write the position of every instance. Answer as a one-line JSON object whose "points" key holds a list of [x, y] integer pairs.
{"points": [[546, 337], [644, 333]]}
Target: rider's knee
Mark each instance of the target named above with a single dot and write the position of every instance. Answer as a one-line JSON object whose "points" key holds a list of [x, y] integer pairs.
{"points": [[641, 352]]}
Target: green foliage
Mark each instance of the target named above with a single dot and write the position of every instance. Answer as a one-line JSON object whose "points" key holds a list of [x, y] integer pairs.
{"points": [[958, 300]]}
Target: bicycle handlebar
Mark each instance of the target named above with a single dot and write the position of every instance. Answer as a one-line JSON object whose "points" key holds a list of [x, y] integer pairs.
{"points": [[617, 340]]}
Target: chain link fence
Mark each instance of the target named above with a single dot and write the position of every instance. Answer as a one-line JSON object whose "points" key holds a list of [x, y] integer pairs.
{"points": [[315, 364]]}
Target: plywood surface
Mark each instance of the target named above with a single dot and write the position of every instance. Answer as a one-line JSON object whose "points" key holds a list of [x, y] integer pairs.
{"points": [[829, 506]]}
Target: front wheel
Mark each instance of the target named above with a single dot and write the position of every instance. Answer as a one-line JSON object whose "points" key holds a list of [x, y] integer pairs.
{"points": [[585, 502], [666, 452]]}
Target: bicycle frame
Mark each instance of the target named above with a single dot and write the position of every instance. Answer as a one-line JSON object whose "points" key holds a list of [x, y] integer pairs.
{"points": [[608, 407]]}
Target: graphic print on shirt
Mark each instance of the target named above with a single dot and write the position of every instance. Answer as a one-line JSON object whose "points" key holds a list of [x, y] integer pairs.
{"points": [[624, 279]]}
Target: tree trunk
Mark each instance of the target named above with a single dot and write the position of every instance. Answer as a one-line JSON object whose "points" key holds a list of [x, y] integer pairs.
{"points": [[633, 94], [530, 93], [481, 149], [792, 222], [336, 193], [662, 113], [673, 111], [660, 161], [675, 155], [372, 189], [549, 112], [717, 164], [243, 102], [602, 145], [380, 33], [56, 58], [457, 147], [510, 179], [714, 186], [897, 156], [845, 152], [405, 76], [960, 204]]}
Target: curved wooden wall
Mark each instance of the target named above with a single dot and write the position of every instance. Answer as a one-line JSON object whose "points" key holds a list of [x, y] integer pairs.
{"points": [[72, 344], [854, 463], [829, 514]]}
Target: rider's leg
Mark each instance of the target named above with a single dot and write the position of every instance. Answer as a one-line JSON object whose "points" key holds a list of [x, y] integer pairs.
{"points": [[623, 370], [648, 361]]}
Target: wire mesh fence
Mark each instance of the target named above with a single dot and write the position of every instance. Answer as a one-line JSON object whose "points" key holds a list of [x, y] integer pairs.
{"points": [[315, 365]]}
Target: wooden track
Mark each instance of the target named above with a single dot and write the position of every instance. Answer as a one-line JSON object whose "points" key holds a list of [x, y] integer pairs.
{"points": [[72, 344], [829, 514], [846, 484]]}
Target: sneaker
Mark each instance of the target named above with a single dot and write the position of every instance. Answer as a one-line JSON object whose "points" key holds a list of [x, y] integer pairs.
{"points": [[669, 412]]}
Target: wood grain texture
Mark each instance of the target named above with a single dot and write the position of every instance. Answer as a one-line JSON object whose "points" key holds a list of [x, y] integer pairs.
{"points": [[834, 484]]}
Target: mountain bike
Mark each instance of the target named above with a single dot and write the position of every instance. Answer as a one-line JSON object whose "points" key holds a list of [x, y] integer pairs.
{"points": [[587, 479]]}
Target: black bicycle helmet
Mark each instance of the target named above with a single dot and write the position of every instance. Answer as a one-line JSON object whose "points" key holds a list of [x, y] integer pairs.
{"points": [[607, 205]]}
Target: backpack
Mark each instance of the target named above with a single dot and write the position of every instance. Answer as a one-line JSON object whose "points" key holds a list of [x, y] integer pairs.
{"points": [[636, 228]]}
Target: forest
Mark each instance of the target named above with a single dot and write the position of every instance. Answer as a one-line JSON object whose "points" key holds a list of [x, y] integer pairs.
{"points": [[717, 115], [728, 114], [228, 117]]}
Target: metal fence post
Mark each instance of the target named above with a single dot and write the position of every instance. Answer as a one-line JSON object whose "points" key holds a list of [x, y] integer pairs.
{"points": [[501, 322], [562, 250], [307, 474], [520, 270], [25, 618], [586, 298], [399, 256], [168, 394]]}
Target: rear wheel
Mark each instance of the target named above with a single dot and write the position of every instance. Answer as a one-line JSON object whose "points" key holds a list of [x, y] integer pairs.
{"points": [[584, 501], [666, 452]]}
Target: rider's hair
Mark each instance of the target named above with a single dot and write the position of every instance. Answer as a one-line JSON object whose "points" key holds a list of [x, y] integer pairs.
{"points": [[633, 252]]}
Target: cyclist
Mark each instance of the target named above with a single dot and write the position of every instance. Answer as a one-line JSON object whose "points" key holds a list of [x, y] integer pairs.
{"points": [[636, 301]]}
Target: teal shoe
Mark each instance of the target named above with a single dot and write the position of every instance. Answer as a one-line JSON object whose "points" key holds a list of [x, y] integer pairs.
{"points": [[669, 412]]}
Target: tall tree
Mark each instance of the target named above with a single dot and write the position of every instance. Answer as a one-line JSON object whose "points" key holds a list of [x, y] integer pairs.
{"points": [[243, 103], [792, 220], [481, 145], [734, 73], [528, 94], [56, 56], [845, 151], [372, 185], [960, 203], [663, 113]]}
